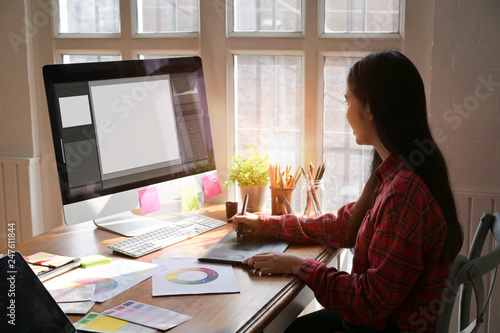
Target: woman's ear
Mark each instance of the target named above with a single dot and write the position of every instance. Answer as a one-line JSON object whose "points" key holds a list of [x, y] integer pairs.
{"points": [[367, 111]]}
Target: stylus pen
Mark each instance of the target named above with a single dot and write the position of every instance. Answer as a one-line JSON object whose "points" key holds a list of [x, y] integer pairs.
{"points": [[243, 212]]}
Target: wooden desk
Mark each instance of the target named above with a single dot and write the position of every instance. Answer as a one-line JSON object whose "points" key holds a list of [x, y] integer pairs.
{"points": [[265, 303]]}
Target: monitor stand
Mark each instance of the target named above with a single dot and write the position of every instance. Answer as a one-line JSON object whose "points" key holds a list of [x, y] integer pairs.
{"points": [[128, 224]]}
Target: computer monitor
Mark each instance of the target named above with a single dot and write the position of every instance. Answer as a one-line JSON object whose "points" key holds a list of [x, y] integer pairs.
{"points": [[122, 126]]}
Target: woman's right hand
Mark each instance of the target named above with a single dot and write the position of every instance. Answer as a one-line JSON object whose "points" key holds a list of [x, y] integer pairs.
{"points": [[249, 223]]}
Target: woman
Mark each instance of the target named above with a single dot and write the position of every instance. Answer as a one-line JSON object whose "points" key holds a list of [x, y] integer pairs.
{"points": [[404, 228]]}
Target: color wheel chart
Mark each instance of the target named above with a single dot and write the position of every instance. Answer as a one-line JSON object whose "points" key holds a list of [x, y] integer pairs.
{"points": [[187, 276], [192, 275], [109, 279]]}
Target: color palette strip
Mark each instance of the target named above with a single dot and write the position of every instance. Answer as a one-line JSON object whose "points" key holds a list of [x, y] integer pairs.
{"points": [[48, 259], [95, 322], [147, 315]]}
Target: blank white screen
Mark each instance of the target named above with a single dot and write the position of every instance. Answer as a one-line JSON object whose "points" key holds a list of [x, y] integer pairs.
{"points": [[135, 123]]}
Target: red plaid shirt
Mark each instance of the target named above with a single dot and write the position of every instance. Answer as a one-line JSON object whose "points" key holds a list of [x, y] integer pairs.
{"points": [[396, 267]]}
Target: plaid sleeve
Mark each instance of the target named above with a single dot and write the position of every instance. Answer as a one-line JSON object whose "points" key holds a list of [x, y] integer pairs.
{"points": [[328, 229]]}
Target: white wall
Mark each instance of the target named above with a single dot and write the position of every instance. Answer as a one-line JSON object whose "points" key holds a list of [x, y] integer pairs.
{"points": [[25, 27], [465, 90], [16, 130], [465, 111]]}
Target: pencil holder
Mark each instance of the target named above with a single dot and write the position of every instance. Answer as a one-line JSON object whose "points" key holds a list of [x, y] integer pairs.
{"points": [[313, 204], [281, 200]]}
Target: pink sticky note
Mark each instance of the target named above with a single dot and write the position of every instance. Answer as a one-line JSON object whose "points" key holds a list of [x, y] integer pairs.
{"points": [[149, 200], [211, 185]]}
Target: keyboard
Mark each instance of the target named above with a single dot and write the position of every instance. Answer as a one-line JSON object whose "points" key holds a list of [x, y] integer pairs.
{"points": [[174, 232]]}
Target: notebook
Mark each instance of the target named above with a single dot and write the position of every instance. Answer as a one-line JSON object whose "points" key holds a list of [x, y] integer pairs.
{"points": [[28, 305], [231, 250]]}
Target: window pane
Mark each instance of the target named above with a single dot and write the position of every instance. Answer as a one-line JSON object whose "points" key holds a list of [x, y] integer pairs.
{"points": [[347, 164], [153, 56], [268, 97], [90, 16], [78, 58], [267, 15], [156, 16], [371, 16]]}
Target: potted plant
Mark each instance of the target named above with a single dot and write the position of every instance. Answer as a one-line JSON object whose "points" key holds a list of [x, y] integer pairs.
{"points": [[251, 174]]}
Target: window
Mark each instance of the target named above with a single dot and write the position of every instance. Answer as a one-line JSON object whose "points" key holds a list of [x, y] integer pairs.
{"points": [[274, 78], [265, 17], [156, 17], [267, 105], [347, 162], [362, 16], [77, 58], [87, 18]]}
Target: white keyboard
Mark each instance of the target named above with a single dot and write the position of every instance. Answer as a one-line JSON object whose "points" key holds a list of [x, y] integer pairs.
{"points": [[174, 232]]}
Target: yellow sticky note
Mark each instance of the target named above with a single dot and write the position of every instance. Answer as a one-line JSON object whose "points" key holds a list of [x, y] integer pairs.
{"points": [[104, 323], [189, 198], [94, 260]]}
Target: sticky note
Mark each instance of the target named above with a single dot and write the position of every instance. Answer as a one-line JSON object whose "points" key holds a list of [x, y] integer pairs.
{"points": [[189, 198], [149, 200], [211, 185], [94, 260]]}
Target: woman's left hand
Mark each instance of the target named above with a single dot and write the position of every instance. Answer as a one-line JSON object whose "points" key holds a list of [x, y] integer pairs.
{"points": [[275, 263]]}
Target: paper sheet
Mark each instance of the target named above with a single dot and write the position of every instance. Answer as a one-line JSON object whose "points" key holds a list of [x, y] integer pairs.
{"points": [[147, 315], [110, 280], [95, 322], [185, 276], [73, 294], [80, 308]]}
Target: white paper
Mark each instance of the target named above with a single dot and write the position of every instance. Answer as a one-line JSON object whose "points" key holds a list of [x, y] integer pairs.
{"points": [[186, 276], [75, 111], [80, 308], [147, 315], [109, 279], [64, 295]]}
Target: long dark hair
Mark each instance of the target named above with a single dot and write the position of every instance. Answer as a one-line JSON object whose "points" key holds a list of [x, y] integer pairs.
{"points": [[392, 86]]}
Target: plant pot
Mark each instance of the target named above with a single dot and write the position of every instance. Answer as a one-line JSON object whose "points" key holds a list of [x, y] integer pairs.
{"points": [[256, 196]]}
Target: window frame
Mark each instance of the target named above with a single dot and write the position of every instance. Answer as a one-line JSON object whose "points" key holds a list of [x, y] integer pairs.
{"points": [[60, 53], [287, 34], [216, 47], [87, 35], [134, 16], [357, 35]]}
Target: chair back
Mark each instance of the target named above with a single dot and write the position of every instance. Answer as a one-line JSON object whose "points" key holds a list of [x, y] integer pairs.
{"points": [[468, 273]]}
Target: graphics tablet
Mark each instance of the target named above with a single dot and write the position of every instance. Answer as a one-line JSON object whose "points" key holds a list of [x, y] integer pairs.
{"points": [[231, 250]]}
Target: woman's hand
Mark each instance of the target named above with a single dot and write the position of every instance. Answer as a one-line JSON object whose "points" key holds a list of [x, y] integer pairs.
{"points": [[275, 263], [249, 223]]}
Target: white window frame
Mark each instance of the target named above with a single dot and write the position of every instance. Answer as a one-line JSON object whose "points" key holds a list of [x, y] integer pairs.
{"points": [[60, 53], [289, 34], [135, 27], [217, 46], [358, 35], [71, 35]]}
